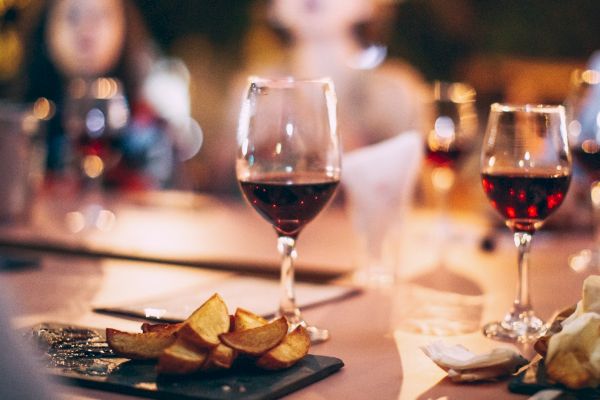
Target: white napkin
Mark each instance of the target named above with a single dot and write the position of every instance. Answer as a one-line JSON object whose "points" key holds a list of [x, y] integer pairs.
{"points": [[381, 177], [463, 365], [235, 289], [379, 181]]}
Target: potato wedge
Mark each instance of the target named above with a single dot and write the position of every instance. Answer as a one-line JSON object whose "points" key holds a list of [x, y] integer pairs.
{"points": [[244, 319], [139, 346], [161, 327], [292, 348], [220, 357], [181, 358], [257, 341], [204, 326]]}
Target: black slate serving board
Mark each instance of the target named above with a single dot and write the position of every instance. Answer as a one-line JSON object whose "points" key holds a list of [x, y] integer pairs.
{"points": [[243, 381], [534, 379]]}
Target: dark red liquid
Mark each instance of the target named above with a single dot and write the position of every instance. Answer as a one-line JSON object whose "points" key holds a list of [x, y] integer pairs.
{"points": [[525, 201], [443, 158], [289, 205], [589, 160], [100, 146]]}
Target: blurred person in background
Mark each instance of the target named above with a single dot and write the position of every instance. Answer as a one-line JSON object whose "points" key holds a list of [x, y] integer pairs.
{"points": [[107, 93], [377, 97]]}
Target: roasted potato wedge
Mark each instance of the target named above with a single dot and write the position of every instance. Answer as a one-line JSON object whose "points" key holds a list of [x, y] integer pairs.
{"points": [[292, 348], [204, 326], [211, 339], [257, 341], [181, 358], [161, 327], [220, 357], [244, 319], [139, 346]]}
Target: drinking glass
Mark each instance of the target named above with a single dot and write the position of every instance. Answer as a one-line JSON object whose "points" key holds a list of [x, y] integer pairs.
{"points": [[453, 129], [288, 165], [583, 111], [525, 173], [96, 114]]}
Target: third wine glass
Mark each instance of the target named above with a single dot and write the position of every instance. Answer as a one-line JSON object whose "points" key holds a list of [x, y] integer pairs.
{"points": [[583, 110], [525, 172]]}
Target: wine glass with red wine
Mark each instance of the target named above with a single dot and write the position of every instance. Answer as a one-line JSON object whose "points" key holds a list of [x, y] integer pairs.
{"points": [[452, 132], [288, 165], [583, 108], [525, 172]]}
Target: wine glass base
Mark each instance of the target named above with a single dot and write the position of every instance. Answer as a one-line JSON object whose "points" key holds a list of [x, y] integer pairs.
{"points": [[520, 330], [294, 318], [586, 260], [317, 335]]}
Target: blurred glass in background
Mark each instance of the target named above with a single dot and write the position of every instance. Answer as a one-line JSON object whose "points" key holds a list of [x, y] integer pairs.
{"points": [[221, 40], [120, 111], [21, 155], [378, 98]]}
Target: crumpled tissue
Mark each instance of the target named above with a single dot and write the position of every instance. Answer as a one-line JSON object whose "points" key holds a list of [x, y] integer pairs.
{"points": [[463, 365]]}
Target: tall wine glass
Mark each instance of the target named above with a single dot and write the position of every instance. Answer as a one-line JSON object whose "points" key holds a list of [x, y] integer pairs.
{"points": [[288, 165], [453, 129], [441, 294], [583, 110], [96, 115], [525, 172]]}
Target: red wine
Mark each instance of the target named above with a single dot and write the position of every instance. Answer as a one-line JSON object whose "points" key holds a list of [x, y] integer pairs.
{"points": [[443, 158], [589, 159], [289, 203], [525, 201]]}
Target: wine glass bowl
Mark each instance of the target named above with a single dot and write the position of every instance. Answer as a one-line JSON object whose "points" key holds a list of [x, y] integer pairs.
{"points": [[289, 164], [96, 114], [454, 124], [525, 173]]}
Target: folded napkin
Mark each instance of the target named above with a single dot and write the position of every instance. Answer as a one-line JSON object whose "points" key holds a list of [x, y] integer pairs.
{"points": [[379, 180], [463, 365]]}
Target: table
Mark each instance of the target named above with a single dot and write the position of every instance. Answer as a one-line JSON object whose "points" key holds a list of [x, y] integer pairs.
{"points": [[373, 332], [178, 227]]}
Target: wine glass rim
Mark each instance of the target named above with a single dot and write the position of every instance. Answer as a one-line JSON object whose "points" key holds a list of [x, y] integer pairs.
{"points": [[287, 80], [532, 108]]}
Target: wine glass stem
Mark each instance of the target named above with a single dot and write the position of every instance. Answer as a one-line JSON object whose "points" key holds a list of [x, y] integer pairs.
{"points": [[287, 307], [522, 304], [442, 179]]}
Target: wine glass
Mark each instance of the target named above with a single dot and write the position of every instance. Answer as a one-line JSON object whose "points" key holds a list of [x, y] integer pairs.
{"points": [[525, 173], [583, 110], [289, 164], [453, 129], [96, 115]]}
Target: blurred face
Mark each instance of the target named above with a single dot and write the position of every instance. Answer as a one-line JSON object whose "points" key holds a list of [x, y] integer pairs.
{"points": [[320, 18], [85, 37]]}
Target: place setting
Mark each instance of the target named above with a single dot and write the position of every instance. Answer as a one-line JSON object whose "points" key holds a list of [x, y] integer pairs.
{"points": [[289, 166]]}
